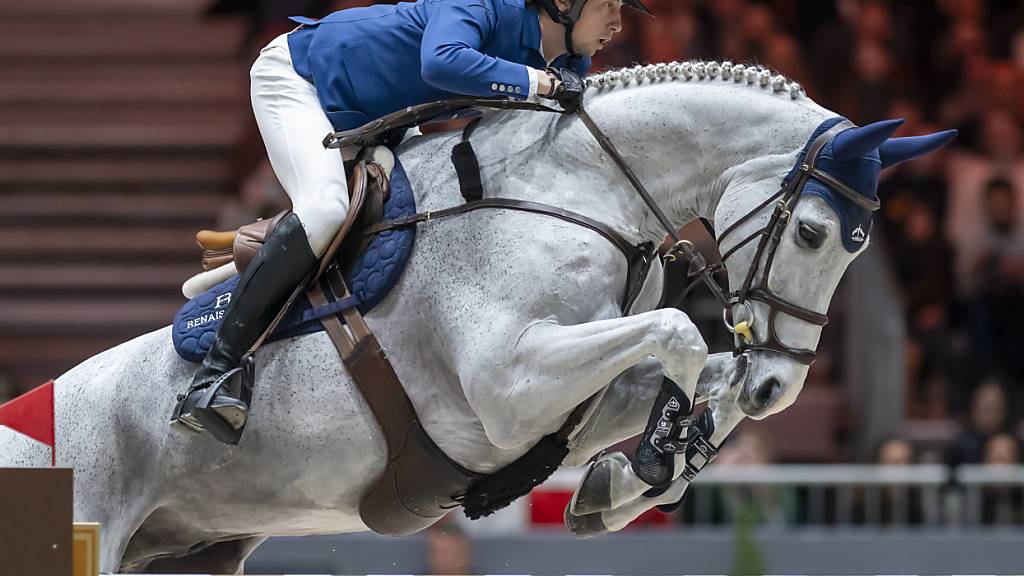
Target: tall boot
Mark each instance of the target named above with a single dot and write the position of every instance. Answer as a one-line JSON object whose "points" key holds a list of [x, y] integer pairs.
{"points": [[218, 399]]}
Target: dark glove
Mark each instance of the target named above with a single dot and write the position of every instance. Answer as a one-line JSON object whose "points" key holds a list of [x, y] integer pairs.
{"points": [[569, 90]]}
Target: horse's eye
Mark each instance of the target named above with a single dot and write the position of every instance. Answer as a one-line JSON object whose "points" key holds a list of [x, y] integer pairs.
{"points": [[810, 235]]}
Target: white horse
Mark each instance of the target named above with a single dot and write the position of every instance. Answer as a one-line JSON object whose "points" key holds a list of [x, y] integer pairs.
{"points": [[502, 324]]}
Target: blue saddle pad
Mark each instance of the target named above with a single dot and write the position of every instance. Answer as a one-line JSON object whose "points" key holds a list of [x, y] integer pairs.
{"points": [[369, 280]]}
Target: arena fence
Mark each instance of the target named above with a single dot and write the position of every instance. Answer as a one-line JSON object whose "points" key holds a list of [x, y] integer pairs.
{"points": [[848, 495]]}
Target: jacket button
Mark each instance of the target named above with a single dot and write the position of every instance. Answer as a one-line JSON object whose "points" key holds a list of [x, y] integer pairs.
{"points": [[494, 85], [518, 90], [501, 88]]}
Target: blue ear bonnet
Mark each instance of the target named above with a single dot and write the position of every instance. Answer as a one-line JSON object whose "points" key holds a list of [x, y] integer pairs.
{"points": [[860, 175]]}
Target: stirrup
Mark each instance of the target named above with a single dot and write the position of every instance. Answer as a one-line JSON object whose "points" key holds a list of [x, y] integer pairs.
{"points": [[206, 414]]}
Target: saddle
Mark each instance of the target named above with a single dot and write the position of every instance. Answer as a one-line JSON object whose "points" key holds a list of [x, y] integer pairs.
{"points": [[369, 189]]}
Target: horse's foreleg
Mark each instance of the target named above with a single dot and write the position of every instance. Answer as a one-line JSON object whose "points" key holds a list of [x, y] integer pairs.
{"points": [[552, 368], [611, 481], [726, 415], [621, 412]]}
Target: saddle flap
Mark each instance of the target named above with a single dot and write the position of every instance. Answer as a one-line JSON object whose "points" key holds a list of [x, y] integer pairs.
{"points": [[216, 258], [249, 239], [357, 195], [377, 192]]}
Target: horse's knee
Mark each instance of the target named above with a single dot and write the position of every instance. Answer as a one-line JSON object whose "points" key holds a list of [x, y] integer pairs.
{"points": [[673, 332]]}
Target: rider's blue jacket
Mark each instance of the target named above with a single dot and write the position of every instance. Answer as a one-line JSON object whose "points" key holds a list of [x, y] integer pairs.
{"points": [[368, 62]]}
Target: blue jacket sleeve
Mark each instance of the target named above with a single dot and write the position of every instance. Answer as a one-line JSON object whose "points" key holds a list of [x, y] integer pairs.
{"points": [[451, 59]]}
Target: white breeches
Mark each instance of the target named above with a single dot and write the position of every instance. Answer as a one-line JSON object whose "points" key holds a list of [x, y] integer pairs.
{"points": [[293, 126]]}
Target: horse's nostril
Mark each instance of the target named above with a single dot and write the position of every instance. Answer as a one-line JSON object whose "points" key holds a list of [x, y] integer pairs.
{"points": [[766, 391]]}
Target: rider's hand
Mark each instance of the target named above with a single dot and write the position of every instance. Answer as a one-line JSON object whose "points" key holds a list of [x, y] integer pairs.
{"points": [[567, 88], [546, 83]]}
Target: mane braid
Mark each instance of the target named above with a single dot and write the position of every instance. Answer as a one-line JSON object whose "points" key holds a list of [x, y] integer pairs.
{"points": [[696, 70]]}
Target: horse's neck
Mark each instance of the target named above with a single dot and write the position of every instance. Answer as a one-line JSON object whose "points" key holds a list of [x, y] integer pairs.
{"points": [[693, 139]]}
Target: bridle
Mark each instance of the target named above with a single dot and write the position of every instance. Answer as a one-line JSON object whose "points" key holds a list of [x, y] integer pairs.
{"points": [[785, 201]]}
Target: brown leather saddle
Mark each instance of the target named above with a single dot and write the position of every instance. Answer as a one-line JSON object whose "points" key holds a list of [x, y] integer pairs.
{"points": [[368, 192]]}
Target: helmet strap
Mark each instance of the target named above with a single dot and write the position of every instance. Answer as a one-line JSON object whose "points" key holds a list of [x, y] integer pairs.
{"points": [[566, 19], [569, 20], [568, 39]]}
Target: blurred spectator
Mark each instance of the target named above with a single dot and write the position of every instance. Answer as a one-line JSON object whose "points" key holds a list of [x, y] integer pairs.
{"points": [[268, 18], [261, 196], [896, 504], [449, 551], [1002, 504], [998, 155], [922, 258], [1002, 450], [987, 417], [772, 505], [994, 261], [894, 451], [871, 85], [782, 53]]}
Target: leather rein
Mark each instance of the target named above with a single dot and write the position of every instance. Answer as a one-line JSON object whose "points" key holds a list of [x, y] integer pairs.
{"points": [[698, 268]]}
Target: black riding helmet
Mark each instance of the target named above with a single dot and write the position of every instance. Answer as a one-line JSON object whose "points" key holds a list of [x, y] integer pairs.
{"points": [[569, 19]]}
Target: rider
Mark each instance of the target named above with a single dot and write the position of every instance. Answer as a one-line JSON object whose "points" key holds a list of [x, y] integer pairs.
{"points": [[345, 70]]}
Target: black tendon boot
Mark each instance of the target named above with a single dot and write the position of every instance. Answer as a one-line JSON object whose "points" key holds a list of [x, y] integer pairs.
{"points": [[218, 399], [664, 437]]}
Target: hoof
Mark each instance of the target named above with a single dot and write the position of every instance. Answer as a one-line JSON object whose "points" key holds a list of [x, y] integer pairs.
{"points": [[595, 491], [585, 526]]}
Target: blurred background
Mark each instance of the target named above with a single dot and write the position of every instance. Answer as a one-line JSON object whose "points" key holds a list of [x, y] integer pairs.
{"points": [[125, 126]]}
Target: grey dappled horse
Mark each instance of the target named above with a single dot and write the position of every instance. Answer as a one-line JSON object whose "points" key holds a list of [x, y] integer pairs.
{"points": [[501, 325]]}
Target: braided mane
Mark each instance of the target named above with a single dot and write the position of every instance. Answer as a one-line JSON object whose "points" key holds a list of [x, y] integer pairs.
{"points": [[695, 70]]}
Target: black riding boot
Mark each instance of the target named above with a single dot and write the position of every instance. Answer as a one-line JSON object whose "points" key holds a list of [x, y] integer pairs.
{"points": [[218, 399]]}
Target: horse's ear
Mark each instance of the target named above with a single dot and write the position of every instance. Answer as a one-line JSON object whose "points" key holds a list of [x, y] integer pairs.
{"points": [[896, 150], [853, 143]]}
